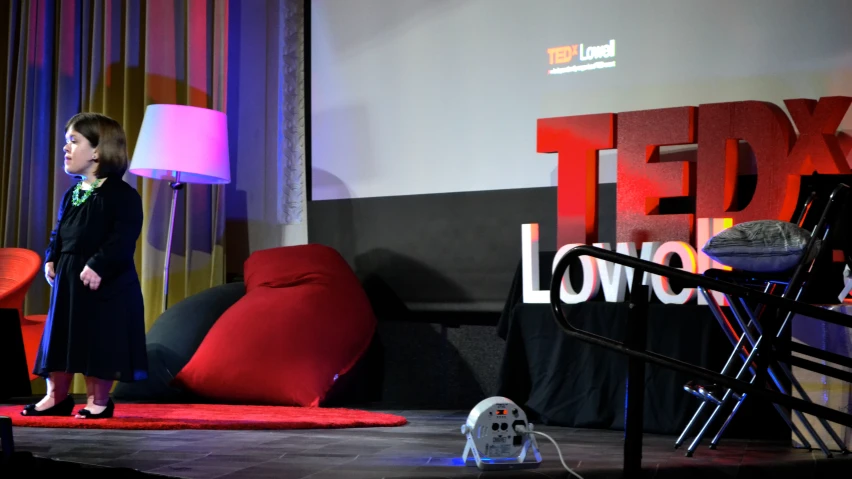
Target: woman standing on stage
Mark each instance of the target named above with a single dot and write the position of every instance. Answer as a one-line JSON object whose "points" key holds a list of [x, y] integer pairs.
{"points": [[95, 324]]}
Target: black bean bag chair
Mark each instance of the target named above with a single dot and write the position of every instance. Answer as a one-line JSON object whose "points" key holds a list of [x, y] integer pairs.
{"points": [[173, 340]]}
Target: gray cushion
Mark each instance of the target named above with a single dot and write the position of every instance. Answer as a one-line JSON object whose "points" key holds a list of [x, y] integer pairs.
{"points": [[765, 246]]}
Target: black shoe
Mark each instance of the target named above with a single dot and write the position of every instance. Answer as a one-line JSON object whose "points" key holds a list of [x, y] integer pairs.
{"points": [[62, 408], [105, 414]]}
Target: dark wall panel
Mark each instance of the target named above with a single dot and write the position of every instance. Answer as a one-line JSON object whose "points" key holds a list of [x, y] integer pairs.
{"points": [[453, 251]]}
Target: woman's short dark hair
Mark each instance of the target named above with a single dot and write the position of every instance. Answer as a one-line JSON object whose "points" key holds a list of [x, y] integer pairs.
{"points": [[108, 137]]}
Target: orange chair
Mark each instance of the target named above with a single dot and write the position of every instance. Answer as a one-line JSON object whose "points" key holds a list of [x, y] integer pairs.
{"points": [[18, 269]]}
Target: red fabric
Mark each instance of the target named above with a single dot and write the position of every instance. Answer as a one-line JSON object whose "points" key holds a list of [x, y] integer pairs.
{"points": [[32, 328], [303, 320], [294, 265], [18, 268], [212, 416]]}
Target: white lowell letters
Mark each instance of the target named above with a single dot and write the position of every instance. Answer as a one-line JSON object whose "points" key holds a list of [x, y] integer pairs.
{"points": [[616, 279]]}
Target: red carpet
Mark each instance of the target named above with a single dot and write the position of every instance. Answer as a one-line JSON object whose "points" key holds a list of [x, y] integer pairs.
{"points": [[212, 416]]}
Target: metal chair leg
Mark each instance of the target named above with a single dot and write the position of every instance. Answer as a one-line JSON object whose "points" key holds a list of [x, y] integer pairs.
{"points": [[804, 395], [697, 440], [682, 437], [738, 343], [784, 415], [795, 383], [820, 443], [725, 369], [753, 321], [728, 392], [755, 344], [731, 334]]}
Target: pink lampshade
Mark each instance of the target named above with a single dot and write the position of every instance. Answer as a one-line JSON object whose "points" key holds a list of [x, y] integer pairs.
{"points": [[182, 139]]}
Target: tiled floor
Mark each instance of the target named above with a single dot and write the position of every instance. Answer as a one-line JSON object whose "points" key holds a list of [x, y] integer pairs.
{"points": [[429, 446]]}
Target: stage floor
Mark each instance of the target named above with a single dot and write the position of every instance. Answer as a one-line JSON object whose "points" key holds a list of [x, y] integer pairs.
{"points": [[429, 446]]}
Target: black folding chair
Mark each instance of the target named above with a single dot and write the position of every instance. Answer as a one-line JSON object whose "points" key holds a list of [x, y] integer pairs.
{"points": [[634, 347], [753, 331], [712, 394]]}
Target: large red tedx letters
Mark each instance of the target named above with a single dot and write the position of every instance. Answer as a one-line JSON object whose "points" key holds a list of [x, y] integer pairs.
{"points": [[577, 140], [644, 179]]}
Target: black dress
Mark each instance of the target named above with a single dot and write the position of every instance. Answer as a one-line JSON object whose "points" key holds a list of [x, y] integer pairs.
{"points": [[99, 333]]}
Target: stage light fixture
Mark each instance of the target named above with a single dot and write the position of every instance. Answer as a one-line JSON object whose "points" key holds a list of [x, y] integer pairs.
{"points": [[493, 436], [499, 437]]}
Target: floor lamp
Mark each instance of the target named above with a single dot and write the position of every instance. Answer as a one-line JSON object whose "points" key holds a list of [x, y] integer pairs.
{"points": [[181, 144]]}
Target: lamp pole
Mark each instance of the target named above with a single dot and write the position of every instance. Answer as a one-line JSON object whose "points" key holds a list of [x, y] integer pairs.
{"points": [[176, 186]]}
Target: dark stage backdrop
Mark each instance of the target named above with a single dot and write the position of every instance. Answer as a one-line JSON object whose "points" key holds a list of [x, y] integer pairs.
{"points": [[449, 252], [453, 255]]}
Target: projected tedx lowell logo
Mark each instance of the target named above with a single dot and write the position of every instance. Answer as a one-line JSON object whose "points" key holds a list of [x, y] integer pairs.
{"points": [[644, 181], [565, 54]]}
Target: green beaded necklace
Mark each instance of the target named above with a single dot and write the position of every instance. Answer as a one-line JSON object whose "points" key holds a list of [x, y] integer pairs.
{"points": [[76, 199]]}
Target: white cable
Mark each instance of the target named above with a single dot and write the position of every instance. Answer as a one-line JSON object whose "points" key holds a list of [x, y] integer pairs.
{"points": [[522, 429]]}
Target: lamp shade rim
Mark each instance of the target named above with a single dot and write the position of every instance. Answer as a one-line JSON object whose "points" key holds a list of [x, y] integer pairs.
{"points": [[184, 176], [184, 141]]}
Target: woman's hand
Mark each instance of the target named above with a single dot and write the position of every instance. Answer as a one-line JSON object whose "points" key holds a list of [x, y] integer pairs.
{"points": [[90, 278], [49, 273]]}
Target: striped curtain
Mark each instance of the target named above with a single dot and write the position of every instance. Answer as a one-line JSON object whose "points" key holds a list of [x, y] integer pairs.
{"points": [[113, 57]]}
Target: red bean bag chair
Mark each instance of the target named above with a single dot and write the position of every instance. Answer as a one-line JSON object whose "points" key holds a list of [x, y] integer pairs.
{"points": [[304, 321]]}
